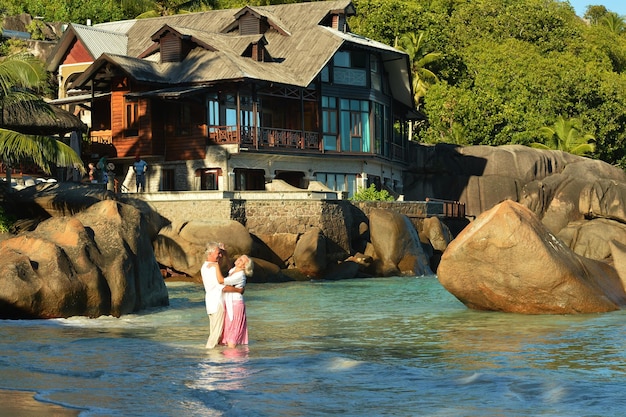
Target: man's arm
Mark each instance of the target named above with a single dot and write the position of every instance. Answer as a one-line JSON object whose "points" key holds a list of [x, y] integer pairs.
{"points": [[230, 288]]}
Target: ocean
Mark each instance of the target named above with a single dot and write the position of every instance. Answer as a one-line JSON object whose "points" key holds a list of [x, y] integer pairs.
{"points": [[399, 346]]}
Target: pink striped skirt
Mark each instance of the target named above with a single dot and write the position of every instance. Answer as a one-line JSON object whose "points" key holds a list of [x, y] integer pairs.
{"points": [[236, 330]]}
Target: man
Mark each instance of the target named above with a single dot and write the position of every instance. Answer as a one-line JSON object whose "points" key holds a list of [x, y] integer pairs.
{"points": [[140, 167], [213, 281]]}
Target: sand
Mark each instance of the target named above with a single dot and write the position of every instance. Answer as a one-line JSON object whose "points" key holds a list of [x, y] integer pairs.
{"points": [[23, 404]]}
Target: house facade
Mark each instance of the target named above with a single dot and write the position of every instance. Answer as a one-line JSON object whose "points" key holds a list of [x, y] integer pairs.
{"points": [[255, 98]]}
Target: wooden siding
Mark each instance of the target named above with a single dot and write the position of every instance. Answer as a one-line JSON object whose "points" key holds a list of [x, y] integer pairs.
{"points": [[187, 147], [77, 53]]}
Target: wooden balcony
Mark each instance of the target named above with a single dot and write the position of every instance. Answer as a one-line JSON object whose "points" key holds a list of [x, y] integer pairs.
{"points": [[265, 138], [103, 137]]}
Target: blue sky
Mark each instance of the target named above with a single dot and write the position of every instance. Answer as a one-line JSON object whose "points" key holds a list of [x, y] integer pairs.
{"points": [[617, 6]]}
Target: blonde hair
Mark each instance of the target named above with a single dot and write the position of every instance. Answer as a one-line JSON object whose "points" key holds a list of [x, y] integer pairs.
{"points": [[248, 269]]}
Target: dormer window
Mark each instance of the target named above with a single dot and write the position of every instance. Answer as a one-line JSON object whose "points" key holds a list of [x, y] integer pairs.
{"points": [[250, 24], [255, 21], [174, 48]]}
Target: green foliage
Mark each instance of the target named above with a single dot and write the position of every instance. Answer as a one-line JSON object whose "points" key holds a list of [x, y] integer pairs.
{"points": [[371, 194], [566, 135], [36, 29], [20, 75], [6, 221]]}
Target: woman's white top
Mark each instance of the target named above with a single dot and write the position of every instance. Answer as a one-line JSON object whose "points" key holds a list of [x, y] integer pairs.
{"points": [[236, 279]]}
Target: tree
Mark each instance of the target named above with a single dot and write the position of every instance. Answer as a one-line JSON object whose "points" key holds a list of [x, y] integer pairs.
{"points": [[614, 22], [18, 75], [566, 135], [595, 13], [419, 58]]}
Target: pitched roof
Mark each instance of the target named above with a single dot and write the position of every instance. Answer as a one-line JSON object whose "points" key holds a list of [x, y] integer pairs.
{"points": [[97, 41], [299, 45]]}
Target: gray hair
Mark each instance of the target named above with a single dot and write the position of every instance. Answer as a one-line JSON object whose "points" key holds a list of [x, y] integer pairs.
{"points": [[211, 247]]}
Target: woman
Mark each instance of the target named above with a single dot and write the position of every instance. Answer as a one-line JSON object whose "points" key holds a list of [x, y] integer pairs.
{"points": [[235, 322]]}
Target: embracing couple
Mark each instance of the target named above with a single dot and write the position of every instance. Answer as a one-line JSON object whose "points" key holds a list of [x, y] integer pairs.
{"points": [[224, 298]]}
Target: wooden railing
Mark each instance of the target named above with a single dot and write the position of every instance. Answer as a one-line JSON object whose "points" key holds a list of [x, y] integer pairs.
{"points": [[101, 136], [265, 138]]}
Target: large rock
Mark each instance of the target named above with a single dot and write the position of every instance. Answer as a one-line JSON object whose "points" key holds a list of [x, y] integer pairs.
{"points": [[592, 238], [310, 253], [99, 262], [506, 260], [181, 246], [396, 244]]}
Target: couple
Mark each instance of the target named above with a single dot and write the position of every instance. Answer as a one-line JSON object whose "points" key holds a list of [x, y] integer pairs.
{"points": [[224, 298]]}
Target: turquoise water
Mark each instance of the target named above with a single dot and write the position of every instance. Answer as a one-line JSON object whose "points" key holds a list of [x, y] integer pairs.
{"points": [[375, 347]]}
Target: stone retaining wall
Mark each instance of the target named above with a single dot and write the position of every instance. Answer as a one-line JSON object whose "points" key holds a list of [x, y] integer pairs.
{"points": [[337, 219]]}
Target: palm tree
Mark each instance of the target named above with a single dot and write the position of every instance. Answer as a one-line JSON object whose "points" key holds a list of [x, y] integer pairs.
{"points": [[566, 135], [614, 22], [18, 75], [423, 78]]}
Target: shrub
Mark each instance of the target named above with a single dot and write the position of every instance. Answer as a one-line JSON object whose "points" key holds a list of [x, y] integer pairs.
{"points": [[371, 194]]}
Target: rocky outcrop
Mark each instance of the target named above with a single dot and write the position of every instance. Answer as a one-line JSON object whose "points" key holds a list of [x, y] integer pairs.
{"points": [[483, 176], [396, 244], [181, 246], [506, 260], [98, 262]]}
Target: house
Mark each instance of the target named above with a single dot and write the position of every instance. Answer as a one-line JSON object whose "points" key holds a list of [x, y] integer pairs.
{"points": [[239, 99]]}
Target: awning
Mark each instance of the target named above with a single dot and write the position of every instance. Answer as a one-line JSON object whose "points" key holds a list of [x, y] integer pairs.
{"points": [[171, 93], [82, 98]]}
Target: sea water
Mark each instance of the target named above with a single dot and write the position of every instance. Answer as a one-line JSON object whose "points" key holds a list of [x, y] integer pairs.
{"points": [[400, 346]]}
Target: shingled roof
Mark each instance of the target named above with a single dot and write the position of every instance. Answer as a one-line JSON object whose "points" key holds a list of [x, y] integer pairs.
{"points": [[298, 41]]}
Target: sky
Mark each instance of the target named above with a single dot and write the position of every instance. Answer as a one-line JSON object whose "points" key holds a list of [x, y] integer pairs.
{"points": [[617, 6]]}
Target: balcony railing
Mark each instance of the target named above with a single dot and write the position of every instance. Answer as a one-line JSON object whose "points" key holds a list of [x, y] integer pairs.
{"points": [[267, 138], [101, 136]]}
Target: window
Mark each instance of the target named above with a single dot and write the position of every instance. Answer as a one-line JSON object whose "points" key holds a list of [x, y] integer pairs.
{"points": [[351, 121], [375, 73], [208, 178], [131, 127], [355, 126], [167, 180], [349, 68], [338, 182], [213, 107], [329, 123], [381, 129]]}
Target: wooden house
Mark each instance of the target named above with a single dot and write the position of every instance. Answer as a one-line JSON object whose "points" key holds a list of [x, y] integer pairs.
{"points": [[238, 99]]}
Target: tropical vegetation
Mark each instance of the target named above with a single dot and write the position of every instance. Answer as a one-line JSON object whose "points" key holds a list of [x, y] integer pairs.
{"points": [[488, 72], [20, 76]]}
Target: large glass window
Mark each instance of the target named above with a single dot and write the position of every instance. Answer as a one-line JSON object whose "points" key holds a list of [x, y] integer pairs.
{"points": [[355, 126], [329, 123]]}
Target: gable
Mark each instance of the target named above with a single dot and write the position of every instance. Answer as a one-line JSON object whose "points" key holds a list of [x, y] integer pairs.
{"points": [[77, 53]]}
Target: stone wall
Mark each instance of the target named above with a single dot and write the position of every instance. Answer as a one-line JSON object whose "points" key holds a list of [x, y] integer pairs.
{"points": [[339, 220]]}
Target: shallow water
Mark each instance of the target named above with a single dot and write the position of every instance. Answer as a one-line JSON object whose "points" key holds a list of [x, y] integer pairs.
{"points": [[376, 347]]}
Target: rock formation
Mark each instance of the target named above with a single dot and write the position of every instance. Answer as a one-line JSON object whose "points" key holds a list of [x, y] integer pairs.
{"points": [[507, 260], [98, 262]]}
